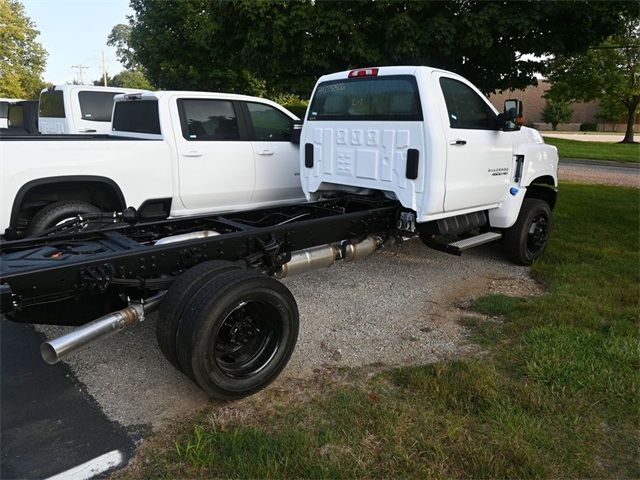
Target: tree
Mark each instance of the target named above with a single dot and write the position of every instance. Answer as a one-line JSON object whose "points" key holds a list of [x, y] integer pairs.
{"points": [[610, 73], [127, 79], [120, 39], [22, 58], [286, 45], [556, 111]]}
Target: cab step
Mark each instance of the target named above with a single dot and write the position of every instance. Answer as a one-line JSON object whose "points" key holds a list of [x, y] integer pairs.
{"points": [[457, 247]]}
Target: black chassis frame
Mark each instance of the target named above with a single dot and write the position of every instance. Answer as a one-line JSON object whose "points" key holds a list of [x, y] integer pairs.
{"points": [[70, 279]]}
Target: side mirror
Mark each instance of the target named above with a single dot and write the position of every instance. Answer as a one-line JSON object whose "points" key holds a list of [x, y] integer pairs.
{"points": [[296, 130], [513, 116]]}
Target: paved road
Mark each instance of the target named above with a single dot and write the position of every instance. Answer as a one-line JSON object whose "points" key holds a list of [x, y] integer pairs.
{"points": [[596, 172], [588, 137], [48, 423]]}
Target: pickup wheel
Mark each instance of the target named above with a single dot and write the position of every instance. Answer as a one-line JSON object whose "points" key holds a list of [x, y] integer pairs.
{"points": [[525, 241], [58, 212], [178, 296], [237, 333]]}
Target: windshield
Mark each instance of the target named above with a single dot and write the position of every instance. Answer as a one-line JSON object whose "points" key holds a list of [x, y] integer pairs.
{"points": [[391, 97]]}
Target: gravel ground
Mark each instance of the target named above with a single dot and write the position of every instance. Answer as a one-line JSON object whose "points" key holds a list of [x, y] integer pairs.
{"points": [[619, 176], [398, 307]]}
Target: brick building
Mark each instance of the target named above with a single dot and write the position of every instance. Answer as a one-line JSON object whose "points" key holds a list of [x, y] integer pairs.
{"points": [[534, 102]]}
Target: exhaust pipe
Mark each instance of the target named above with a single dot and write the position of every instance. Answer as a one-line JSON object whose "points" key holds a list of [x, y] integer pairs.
{"points": [[324, 256], [59, 348]]}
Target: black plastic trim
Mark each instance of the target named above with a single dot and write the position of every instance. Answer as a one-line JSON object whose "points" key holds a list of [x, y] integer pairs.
{"points": [[413, 162], [308, 155]]}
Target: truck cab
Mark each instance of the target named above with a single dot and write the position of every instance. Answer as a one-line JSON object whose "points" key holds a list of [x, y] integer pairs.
{"points": [[429, 139], [77, 109]]}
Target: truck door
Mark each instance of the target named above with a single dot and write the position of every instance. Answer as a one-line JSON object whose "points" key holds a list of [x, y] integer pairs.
{"points": [[215, 159], [479, 157], [277, 159]]}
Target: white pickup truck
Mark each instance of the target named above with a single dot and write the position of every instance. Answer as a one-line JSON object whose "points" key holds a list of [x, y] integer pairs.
{"points": [[431, 140], [168, 154], [81, 109]]}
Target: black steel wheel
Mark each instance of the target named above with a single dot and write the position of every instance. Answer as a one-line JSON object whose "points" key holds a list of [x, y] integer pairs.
{"points": [[237, 333], [525, 241], [179, 294]]}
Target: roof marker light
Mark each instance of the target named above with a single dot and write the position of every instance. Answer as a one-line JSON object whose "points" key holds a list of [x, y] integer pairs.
{"points": [[363, 72]]}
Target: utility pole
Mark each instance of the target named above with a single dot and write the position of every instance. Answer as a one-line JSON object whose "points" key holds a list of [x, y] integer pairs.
{"points": [[81, 68], [104, 70]]}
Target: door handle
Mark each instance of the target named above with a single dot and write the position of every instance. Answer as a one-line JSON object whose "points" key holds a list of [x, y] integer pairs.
{"points": [[192, 153], [265, 152], [457, 141], [87, 130]]}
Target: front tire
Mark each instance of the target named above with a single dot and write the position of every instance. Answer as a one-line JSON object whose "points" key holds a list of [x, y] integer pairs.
{"points": [[237, 333], [58, 212], [525, 241]]}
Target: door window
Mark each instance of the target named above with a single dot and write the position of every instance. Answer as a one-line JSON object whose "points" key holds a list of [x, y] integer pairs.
{"points": [[208, 120], [465, 107], [269, 124]]}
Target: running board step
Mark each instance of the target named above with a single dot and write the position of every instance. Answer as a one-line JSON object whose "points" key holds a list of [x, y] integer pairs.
{"points": [[471, 242], [457, 247]]}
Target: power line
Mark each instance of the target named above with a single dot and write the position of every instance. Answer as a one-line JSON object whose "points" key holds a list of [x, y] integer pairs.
{"points": [[81, 68]]}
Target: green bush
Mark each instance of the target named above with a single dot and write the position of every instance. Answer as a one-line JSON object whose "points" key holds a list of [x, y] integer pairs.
{"points": [[588, 127], [297, 109]]}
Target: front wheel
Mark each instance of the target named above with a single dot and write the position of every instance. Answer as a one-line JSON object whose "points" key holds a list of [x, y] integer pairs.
{"points": [[237, 333], [525, 241]]}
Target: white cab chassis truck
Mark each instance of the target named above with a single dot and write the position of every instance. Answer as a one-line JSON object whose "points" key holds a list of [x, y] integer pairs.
{"points": [[389, 153], [428, 138]]}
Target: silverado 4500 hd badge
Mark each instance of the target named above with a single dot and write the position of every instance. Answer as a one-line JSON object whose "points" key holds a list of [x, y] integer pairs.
{"points": [[496, 172]]}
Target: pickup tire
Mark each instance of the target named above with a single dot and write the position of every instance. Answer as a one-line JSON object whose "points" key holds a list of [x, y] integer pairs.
{"points": [[56, 212], [176, 300], [525, 241], [237, 333]]}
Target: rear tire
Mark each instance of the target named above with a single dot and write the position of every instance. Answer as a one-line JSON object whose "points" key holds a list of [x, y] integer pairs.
{"points": [[525, 241], [57, 212], [175, 301], [237, 333]]}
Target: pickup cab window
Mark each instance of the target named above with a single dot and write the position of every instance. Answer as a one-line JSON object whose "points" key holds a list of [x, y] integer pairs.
{"points": [[208, 120], [52, 104], [391, 97], [96, 106], [269, 124], [137, 116], [466, 109]]}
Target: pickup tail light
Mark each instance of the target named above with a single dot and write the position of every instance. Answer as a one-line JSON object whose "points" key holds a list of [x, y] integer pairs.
{"points": [[364, 72]]}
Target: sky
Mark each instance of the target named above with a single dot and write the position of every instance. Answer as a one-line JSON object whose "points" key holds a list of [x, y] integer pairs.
{"points": [[74, 32]]}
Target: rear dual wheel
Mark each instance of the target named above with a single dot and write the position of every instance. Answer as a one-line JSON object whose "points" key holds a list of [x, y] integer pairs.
{"points": [[236, 332]]}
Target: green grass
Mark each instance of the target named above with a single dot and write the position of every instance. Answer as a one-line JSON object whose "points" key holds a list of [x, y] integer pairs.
{"points": [[596, 150], [557, 395]]}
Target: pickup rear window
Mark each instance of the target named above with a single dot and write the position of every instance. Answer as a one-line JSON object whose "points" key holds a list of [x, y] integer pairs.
{"points": [[96, 106], [52, 104], [390, 97], [136, 116]]}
